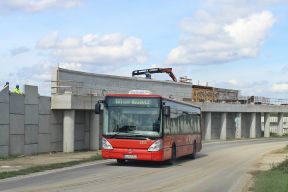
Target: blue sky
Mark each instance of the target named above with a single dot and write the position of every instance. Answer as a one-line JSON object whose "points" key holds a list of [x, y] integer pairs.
{"points": [[227, 43]]}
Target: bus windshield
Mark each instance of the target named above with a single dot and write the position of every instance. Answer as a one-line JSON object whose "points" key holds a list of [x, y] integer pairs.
{"points": [[125, 120]]}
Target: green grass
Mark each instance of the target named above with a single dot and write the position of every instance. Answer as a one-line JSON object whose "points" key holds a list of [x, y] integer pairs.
{"points": [[9, 157], [40, 168], [275, 180]]}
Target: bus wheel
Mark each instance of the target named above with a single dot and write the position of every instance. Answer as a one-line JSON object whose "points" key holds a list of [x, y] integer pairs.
{"points": [[193, 155], [173, 156], [121, 161]]}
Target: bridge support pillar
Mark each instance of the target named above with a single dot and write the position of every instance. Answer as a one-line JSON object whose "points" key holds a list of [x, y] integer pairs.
{"points": [[266, 124], [223, 130], [253, 125], [207, 126], [94, 131], [280, 124], [68, 130], [238, 125]]}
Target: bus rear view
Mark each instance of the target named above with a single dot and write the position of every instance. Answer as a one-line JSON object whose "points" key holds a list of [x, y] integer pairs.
{"points": [[133, 129]]}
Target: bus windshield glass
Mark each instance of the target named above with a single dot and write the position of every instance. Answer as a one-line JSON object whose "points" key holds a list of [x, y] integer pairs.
{"points": [[135, 117]]}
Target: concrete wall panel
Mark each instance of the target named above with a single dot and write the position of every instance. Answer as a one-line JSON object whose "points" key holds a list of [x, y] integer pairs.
{"points": [[4, 95], [44, 143], [31, 149], [56, 134], [4, 151], [56, 117], [31, 94], [44, 105], [56, 146], [245, 121], [79, 131], [44, 124], [101, 84], [17, 104], [87, 120], [16, 124], [4, 113], [16, 144], [215, 125], [87, 140], [31, 114], [31, 134], [231, 126], [79, 145], [4, 135], [80, 117]]}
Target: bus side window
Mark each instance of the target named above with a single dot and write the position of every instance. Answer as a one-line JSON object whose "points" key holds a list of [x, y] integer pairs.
{"points": [[166, 125], [196, 123]]}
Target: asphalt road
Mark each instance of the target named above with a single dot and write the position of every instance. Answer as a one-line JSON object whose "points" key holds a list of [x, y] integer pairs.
{"points": [[219, 167]]}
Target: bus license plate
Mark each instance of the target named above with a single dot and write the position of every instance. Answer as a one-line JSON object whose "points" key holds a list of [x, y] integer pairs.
{"points": [[130, 156]]}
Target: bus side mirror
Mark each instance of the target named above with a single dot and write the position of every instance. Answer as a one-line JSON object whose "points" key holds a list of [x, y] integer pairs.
{"points": [[166, 111], [97, 108]]}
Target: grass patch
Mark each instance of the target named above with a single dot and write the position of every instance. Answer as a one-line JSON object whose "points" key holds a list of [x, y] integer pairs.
{"points": [[286, 148], [40, 168], [275, 180]]}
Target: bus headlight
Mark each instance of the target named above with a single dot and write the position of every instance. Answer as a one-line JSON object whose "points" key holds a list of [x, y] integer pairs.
{"points": [[106, 144], [156, 146]]}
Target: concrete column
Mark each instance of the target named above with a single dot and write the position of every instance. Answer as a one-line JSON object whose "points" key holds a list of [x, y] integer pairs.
{"points": [[223, 126], [238, 125], [68, 130], [253, 125], [266, 124], [94, 131], [280, 124], [208, 126]]}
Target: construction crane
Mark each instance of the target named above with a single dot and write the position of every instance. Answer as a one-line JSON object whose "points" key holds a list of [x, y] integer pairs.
{"points": [[148, 72]]}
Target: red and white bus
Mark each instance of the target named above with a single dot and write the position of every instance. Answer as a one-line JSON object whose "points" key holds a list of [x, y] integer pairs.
{"points": [[149, 127]]}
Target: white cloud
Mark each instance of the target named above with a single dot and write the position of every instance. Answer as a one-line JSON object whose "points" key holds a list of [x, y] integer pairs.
{"points": [[48, 42], [38, 5], [233, 82], [19, 50], [280, 87], [212, 40], [251, 31], [275, 90], [94, 49], [37, 74]]}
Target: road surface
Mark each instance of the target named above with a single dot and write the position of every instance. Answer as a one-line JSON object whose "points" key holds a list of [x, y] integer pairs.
{"points": [[219, 167]]}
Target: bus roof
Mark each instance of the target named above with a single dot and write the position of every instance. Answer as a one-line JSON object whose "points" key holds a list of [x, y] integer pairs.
{"points": [[151, 96]]}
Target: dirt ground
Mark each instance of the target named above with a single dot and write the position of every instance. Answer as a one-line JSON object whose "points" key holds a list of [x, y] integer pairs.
{"points": [[23, 162], [265, 163]]}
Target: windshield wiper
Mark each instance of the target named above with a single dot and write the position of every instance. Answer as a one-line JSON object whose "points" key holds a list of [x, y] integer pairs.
{"points": [[115, 134]]}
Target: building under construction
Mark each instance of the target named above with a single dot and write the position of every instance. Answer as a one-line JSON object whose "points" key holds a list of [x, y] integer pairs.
{"points": [[212, 94]]}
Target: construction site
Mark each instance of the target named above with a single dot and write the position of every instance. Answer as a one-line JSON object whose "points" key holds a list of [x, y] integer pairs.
{"points": [[66, 121]]}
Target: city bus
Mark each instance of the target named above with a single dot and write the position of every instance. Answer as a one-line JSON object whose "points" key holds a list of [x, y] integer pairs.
{"points": [[148, 127]]}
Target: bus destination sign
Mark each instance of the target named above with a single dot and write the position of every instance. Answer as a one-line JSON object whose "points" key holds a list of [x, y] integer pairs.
{"points": [[145, 102], [120, 101]]}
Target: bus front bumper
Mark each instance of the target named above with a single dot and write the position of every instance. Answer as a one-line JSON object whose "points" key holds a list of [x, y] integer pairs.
{"points": [[133, 154]]}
